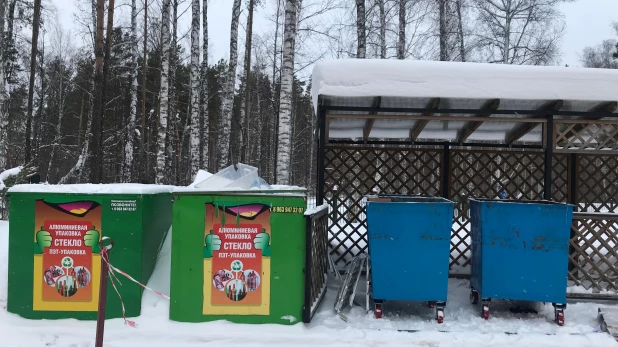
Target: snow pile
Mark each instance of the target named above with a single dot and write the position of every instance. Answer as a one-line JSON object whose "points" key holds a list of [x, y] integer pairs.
{"points": [[7, 173], [431, 79], [463, 326], [234, 178], [117, 188], [316, 209]]}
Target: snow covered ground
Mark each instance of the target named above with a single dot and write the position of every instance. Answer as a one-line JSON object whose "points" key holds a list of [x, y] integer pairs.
{"points": [[463, 326]]}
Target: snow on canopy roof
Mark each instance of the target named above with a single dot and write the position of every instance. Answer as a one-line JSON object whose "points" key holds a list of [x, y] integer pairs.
{"points": [[468, 89], [434, 79], [117, 188]]}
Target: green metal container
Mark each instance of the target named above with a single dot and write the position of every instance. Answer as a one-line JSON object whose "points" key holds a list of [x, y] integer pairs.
{"points": [[60, 278], [238, 256]]}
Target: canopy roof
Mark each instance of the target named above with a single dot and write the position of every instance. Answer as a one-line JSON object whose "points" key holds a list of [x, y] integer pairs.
{"points": [[457, 102]]}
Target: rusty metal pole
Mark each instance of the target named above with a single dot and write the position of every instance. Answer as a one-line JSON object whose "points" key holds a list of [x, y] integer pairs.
{"points": [[103, 289]]}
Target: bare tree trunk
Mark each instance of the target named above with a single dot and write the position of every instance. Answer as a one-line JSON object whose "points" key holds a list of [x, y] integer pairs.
{"points": [[287, 78], [80, 168], [382, 29], [205, 121], [143, 172], [460, 32], [194, 142], [246, 100], [172, 119], [164, 93], [36, 23], [4, 116], [274, 121], [443, 31], [401, 43], [361, 48], [58, 132], [128, 149], [228, 97], [94, 157], [96, 169]]}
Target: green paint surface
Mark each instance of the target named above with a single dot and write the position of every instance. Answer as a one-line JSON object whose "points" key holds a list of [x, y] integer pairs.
{"points": [[287, 288], [137, 239]]}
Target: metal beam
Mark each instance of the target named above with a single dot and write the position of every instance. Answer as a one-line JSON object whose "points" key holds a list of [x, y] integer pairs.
{"points": [[440, 118], [434, 104], [522, 129], [549, 159], [585, 114], [377, 102], [321, 156], [335, 142], [470, 127]]}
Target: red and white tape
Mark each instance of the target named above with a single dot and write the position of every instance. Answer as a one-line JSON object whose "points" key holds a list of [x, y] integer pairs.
{"points": [[112, 276]]}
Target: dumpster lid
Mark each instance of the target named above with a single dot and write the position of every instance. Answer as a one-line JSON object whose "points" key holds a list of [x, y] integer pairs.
{"points": [[276, 190], [406, 198], [117, 188], [507, 201]]}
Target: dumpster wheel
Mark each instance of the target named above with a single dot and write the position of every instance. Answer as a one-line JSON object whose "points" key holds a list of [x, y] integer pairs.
{"points": [[440, 315], [485, 309], [559, 314], [474, 297], [378, 310]]}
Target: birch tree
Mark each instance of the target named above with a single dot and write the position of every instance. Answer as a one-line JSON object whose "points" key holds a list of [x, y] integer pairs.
{"points": [[460, 30], [244, 109], [361, 32], [382, 11], [228, 98], [520, 31], [401, 42], [4, 117], [129, 145], [143, 131], [195, 87], [163, 94], [287, 76], [205, 123]]}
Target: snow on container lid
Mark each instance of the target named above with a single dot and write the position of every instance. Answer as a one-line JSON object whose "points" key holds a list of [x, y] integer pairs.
{"points": [[239, 176]]}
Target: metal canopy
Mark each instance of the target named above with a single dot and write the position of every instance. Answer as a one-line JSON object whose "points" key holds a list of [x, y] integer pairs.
{"points": [[577, 124]]}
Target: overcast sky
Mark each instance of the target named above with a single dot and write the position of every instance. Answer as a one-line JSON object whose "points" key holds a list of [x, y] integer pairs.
{"points": [[588, 23]]}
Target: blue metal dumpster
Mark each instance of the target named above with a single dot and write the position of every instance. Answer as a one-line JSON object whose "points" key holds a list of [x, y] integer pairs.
{"points": [[409, 248], [520, 252]]}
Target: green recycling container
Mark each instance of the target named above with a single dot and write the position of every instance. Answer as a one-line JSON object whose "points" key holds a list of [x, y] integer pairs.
{"points": [[60, 277], [238, 256]]}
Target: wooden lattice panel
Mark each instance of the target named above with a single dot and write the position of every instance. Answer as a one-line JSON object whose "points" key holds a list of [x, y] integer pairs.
{"points": [[593, 260], [571, 135], [317, 262], [597, 183], [354, 172], [483, 174], [560, 178]]}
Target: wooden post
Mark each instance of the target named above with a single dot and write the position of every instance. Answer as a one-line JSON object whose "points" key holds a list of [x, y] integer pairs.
{"points": [[103, 290]]}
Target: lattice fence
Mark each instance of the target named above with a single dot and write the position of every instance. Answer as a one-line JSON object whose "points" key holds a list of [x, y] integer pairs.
{"points": [[316, 262], [594, 257], [596, 135], [487, 174], [354, 172]]}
